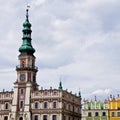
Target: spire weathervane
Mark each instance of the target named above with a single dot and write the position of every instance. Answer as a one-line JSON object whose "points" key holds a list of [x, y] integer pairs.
{"points": [[27, 15]]}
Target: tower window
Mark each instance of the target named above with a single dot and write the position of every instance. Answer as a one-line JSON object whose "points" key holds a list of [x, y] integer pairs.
{"points": [[21, 104], [44, 117], [34, 78], [23, 63], [21, 91]]}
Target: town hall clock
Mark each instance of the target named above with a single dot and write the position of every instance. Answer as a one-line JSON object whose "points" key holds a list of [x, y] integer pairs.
{"points": [[22, 77]]}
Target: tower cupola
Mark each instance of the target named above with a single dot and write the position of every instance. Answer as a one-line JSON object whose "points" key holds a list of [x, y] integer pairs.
{"points": [[26, 46]]}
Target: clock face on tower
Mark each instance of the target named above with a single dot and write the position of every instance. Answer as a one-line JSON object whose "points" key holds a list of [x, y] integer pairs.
{"points": [[22, 77]]}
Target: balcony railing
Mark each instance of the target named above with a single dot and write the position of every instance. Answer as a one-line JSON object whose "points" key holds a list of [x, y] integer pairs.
{"points": [[26, 67]]}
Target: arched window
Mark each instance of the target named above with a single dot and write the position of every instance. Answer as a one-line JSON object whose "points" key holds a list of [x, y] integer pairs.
{"points": [[104, 114], [21, 118], [6, 106], [45, 105], [96, 114], [36, 105]]}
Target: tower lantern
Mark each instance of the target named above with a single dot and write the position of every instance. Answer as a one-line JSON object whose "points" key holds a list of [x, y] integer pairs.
{"points": [[26, 46]]}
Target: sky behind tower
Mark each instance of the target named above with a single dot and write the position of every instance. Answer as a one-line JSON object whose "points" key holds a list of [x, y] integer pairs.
{"points": [[76, 41]]}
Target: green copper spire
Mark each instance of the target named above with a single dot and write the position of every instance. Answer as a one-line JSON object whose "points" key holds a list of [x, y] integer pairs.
{"points": [[60, 86], [26, 45]]}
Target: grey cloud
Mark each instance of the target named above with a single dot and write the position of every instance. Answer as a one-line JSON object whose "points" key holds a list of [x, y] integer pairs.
{"points": [[79, 39]]}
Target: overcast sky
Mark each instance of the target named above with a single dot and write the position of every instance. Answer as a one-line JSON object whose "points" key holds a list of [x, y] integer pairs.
{"points": [[76, 41]]}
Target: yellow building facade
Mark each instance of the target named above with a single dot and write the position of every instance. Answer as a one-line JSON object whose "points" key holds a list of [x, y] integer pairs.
{"points": [[114, 108]]}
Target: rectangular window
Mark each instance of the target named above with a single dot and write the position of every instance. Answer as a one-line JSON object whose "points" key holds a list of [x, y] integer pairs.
{"points": [[6, 118], [118, 114], [21, 104], [21, 91], [36, 117], [96, 114], [113, 114], [54, 105], [54, 117], [44, 117], [89, 114]]}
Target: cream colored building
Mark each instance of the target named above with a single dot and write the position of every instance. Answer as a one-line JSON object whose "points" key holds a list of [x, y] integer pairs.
{"points": [[95, 110], [26, 101]]}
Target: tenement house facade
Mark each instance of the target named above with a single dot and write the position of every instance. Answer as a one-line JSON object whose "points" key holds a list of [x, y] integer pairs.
{"points": [[26, 101]]}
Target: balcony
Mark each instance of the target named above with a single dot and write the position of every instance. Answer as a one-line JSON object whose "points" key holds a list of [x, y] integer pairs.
{"points": [[26, 67]]}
